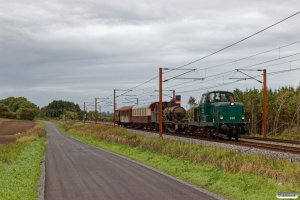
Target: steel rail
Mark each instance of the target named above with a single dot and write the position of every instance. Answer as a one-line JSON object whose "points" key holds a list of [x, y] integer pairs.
{"points": [[274, 140]]}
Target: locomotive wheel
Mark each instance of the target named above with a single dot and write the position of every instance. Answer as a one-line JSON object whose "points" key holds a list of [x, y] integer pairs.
{"points": [[191, 131], [229, 137], [236, 138]]}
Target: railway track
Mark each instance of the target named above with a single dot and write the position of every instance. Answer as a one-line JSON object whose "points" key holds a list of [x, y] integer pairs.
{"points": [[268, 146], [274, 140]]}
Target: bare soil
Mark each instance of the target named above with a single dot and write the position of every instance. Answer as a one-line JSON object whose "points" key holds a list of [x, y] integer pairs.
{"points": [[10, 128]]}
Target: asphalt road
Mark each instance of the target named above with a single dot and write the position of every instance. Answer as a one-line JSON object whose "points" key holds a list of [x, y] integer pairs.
{"points": [[75, 170]]}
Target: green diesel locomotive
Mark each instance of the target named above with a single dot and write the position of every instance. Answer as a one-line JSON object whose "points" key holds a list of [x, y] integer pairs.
{"points": [[219, 116]]}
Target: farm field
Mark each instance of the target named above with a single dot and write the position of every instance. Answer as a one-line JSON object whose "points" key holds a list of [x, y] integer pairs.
{"points": [[9, 128]]}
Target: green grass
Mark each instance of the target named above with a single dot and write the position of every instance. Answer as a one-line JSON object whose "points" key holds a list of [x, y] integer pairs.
{"points": [[6, 153], [231, 174], [19, 178], [20, 165]]}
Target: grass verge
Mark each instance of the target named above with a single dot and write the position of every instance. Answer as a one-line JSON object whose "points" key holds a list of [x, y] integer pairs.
{"points": [[231, 174], [20, 165]]}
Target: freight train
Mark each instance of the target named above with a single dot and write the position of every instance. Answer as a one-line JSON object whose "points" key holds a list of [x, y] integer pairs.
{"points": [[216, 116]]}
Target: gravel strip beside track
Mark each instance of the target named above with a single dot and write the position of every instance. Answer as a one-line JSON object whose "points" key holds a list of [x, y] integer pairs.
{"points": [[272, 142]]}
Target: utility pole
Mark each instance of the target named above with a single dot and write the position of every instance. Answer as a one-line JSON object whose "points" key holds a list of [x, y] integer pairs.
{"points": [[265, 123], [160, 103], [65, 111], [74, 113], [265, 103], [100, 112], [115, 104], [160, 91], [96, 114], [84, 113], [114, 107]]}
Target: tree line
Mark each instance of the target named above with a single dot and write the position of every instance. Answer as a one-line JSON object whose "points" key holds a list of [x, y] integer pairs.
{"points": [[283, 106], [21, 108], [18, 108], [62, 109]]}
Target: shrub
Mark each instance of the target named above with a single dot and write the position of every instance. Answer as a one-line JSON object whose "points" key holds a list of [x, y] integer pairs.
{"points": [[3, 110], [31, 134], [27, 113], [9, 115]]}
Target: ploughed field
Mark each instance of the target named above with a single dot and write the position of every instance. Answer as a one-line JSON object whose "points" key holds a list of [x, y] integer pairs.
{"points": [[10, 128]]}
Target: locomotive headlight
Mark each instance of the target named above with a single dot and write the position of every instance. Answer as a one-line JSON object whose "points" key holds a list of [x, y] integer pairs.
{"points": [[232, 103], [243, 117], [221, 117]]}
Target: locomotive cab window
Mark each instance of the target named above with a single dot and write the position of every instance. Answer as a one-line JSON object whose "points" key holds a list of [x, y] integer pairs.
{"points": [[219, 97], [202, 99], [211, 98]]}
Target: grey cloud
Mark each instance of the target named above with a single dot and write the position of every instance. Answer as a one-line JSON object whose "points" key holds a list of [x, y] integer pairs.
{"points": [[78, 48]]}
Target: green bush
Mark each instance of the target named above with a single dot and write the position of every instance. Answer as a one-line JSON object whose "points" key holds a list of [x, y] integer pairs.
{"points": [[27, 113], [10, 115], [3, 109]]}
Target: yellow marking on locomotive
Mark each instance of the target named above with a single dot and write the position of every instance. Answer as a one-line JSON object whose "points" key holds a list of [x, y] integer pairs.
{"points": [[232, 118]]}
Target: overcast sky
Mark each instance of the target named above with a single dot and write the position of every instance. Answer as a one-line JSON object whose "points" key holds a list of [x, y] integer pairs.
{"points": [[82, 49]]}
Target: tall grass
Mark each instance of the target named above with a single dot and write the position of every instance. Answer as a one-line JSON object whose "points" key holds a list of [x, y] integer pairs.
{"points": [[9, 152], [221, 159], [20, 164]]}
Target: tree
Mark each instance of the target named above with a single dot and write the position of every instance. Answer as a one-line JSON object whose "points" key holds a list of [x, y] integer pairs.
{"points": [[7, 101], [70, 115], [5, 112], [27, 104], [3, 109], [58, 106], [238, 95], [192, 102], [190, 112], [91, 115], [14, 107], [28, 113]]}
